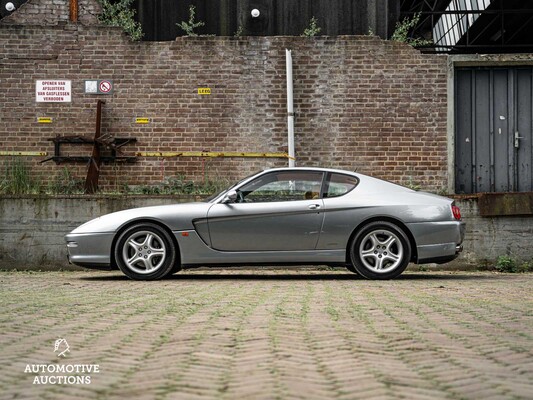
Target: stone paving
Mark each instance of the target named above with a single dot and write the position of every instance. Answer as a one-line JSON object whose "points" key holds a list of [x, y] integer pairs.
{"points": [[268, 333]]}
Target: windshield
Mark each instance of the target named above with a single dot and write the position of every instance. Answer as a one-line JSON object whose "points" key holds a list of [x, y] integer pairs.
{"points": [[217, 195]]}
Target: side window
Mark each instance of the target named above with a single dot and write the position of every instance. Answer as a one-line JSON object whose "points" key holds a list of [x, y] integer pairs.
{"points": [[340, 184], [282, 186]]}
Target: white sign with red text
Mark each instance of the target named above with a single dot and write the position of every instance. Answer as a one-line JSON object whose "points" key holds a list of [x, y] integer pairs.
{"points": [[53, 91]]}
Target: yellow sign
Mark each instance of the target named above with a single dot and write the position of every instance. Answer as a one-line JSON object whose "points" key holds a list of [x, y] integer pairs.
{"points": [[44, 120], [204, 90], [142, 120]]}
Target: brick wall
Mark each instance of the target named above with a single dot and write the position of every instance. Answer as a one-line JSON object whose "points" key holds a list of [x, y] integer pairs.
{"points": [[361, 102], [52, 12]]}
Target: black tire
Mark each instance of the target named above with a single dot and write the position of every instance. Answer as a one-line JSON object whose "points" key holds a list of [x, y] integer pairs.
{"points": [[153, 256], [380, 250]]}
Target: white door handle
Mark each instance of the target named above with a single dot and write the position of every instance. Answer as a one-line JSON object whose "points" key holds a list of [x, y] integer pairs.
{"points": [[517, 140], [314, 206]]}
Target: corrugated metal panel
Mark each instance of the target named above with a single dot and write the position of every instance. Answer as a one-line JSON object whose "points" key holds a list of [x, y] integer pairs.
{"points": [[493, 106], [278, 17]]}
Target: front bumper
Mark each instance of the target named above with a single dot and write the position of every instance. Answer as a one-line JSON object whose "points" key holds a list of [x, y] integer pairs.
{"points": [[91, 250]]}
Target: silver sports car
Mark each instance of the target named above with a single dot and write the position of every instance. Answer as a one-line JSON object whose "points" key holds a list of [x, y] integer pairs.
{"points": [[279, 216]]}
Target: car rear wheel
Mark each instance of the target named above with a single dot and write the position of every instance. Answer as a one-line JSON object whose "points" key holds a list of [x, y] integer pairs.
{"points": [[145, 251], [380, 250]]}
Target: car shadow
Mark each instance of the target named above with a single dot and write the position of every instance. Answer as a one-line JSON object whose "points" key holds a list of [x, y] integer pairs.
{"points": [[326, 276]]}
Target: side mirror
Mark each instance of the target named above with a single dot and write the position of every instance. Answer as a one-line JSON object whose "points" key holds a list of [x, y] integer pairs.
{"points": [[230, 196]]}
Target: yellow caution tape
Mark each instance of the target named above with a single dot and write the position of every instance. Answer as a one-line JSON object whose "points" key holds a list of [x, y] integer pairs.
{"points": [[23, 153], [210, 154]]}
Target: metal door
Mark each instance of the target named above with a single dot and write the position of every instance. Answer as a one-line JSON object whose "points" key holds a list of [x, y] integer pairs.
{"points": [[493, 129]]}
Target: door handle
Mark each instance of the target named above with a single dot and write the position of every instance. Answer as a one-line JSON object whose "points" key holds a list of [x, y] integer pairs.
{"points": [[314, 206], [517, 140]]}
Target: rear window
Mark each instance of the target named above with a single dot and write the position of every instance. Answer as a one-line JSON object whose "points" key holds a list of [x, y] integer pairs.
{"points": [[339, 184]]}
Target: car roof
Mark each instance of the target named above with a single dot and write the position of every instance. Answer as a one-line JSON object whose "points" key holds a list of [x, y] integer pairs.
{"points": [[318, 169]]}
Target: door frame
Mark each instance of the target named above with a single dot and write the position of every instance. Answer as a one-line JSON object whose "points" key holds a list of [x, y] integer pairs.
{"points": [[472, 60]]}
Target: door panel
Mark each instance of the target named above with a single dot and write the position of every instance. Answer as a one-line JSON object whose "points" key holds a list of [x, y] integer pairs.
{"points": [[463, 137], [285, 225], [502, 163], [524, 144]]}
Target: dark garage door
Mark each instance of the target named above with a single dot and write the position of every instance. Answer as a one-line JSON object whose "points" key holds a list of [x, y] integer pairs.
{"points": [[493, 129]]}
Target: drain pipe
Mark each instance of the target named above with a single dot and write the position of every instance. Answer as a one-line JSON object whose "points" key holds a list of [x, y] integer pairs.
{"points": [[290, 108]]}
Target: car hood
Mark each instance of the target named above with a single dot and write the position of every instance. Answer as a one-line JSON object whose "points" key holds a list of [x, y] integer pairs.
{"points": [[175, 216]]}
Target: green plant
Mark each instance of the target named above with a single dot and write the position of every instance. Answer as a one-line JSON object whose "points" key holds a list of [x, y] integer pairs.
{"points": [[312, 29], [412, 185], [192, 24], [18, 179], [66, 183], [239, 31], [121, 14], [525, 267], [180, 185], [401, 32], [506, 264]]}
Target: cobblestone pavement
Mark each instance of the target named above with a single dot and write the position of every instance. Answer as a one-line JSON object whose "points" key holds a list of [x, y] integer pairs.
{"points": [[266, 333]]}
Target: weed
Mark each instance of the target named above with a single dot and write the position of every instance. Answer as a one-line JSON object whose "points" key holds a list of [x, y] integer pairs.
{"points": [[401, 33], [239, 32], [180, 185], [119, 13], [192, 24], [18, 179], [412, 185], [65, 183], [312, 29], [508, 264]]}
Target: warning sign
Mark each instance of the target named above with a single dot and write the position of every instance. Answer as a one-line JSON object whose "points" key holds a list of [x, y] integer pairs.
{"points": [[53, 91], [99, 86]]}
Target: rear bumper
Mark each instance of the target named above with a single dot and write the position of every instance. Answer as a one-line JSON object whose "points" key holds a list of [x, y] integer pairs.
{"points": [[438, 242], [434, 254]]}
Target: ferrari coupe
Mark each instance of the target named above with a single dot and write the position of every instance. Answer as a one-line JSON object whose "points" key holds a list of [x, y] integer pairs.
{"points": [[282, 216]]}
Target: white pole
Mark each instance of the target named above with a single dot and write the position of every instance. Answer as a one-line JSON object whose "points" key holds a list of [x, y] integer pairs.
{"points": [[290, 108]]}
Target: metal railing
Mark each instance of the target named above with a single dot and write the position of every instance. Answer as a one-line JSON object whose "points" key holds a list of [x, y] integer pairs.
{"points": [[472, 25]]}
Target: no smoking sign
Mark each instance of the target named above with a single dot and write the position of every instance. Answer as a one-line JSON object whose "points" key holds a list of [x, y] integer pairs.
{"points": [[99, 86], [105, 86]]}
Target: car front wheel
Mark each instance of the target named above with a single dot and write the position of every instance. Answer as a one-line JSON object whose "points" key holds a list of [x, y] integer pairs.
{"points": [[145, 251], [380, 250]]}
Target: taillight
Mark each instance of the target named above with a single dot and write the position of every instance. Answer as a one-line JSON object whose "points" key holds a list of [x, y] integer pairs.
{"points": [[456, 213]]}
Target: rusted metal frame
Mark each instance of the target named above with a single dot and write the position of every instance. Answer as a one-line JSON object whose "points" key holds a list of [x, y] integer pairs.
{"points": [[93, 173], [73, 10]]}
